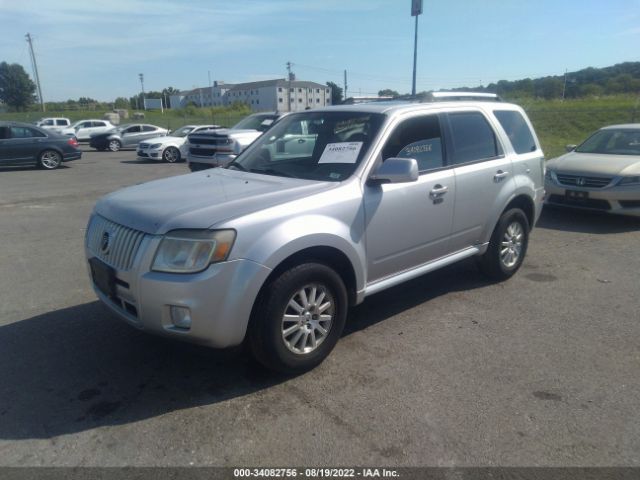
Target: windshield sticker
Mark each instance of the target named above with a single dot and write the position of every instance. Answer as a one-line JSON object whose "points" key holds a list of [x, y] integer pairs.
{"points": [[334, 176], [343, 152]]}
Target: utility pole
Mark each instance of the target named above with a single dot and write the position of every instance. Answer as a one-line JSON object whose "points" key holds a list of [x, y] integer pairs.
{"points": [[564, 87], [289, 87], [416, 10], [345, 84], [35, 70], [141, 75]]}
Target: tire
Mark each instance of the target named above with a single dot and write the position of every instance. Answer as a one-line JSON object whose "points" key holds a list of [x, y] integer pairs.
{"points": [[508, 246], [171, 155], [114, 145], [285, 322], [49, 160]]}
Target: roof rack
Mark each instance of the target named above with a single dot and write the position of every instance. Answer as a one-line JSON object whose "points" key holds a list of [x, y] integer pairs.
{"points": [[447, 97]]}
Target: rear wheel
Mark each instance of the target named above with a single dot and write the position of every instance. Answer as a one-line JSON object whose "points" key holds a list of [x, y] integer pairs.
{"points": [[507, 247], [114, 145], [49, 160], [298, 318], [171, 155]]}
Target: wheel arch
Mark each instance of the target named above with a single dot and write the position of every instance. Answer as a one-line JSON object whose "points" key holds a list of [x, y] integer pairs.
{"points": [[525, 203], [55, 148]]}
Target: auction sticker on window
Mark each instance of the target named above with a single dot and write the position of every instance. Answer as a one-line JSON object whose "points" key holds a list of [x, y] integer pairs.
{"points": [[343, 152]]}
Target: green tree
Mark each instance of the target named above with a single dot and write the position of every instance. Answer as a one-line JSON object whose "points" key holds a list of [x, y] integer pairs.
{"points": [[16, 88], [121, 102], [387, 92], [336, 93]]}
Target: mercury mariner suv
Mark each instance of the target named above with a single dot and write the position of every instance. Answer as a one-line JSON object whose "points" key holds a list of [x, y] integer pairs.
{"points": [[326, 208]]}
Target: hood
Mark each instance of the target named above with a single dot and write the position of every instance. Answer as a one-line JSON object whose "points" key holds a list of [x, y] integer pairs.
{"points": [[223, 132], [201, 199], [163, 139], [596, 164]]}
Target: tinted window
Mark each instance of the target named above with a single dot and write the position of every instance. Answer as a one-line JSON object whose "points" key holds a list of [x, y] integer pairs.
{"points": [[148, 128], [25, 132], [517, 130], [99, 124], [473, 137], [48, 122], [85, 125], [133, 129], [62, 122], [418, 138], [4, 132]]}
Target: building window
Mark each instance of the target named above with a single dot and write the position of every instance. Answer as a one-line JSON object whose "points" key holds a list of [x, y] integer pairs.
{"points": [[317, 100], [291, 90], [258, 102], [317, 90], [279, 100], [280, 89], [299, 90], [327, 90], [299, 100]]}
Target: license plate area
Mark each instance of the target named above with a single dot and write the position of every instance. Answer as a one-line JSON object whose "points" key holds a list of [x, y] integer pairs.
{"points": [[576, 196], [103, 276]]}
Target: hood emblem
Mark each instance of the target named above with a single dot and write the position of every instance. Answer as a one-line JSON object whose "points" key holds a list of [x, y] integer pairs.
{"points": [[105, 242], [581, 181]]}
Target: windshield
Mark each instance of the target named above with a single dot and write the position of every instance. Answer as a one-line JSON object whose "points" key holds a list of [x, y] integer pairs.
{"points": [[255, 122], [325, 146], [613, 141], [182, 132]]}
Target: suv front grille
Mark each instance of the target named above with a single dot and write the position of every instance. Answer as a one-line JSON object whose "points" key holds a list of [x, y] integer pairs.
{"points": [[203, 152], [583, 181], [123, 242]]}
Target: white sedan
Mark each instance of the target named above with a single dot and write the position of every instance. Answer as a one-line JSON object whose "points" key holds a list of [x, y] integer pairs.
{"points": [[169, 148]]}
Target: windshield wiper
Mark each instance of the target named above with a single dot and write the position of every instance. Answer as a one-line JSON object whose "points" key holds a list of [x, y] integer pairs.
{"points": [[271, 171], [237, 165]]}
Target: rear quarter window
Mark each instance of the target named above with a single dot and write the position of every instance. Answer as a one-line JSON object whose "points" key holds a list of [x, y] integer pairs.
{"points": [[517, 130]]}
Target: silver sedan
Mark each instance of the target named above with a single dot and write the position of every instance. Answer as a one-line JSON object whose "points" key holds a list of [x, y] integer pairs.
{"points": [[603, 173]]}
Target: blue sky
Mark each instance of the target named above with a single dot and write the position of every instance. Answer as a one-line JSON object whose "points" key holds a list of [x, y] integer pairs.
{"points": [[97, 48]]}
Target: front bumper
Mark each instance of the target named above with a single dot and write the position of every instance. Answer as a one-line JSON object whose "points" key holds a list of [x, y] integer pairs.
{"points": [[615, 199], [149, 154], [197, 162], [220, 299]]}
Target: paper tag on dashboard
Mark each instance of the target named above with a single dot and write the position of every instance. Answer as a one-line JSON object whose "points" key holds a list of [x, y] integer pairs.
{"points": [[343, 152]]}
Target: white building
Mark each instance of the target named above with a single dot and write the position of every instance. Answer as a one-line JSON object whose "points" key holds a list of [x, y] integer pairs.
{"points": [[269, 95]]}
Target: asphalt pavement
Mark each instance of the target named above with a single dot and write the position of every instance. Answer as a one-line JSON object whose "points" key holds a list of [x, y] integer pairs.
{"points": [[446, 370]]}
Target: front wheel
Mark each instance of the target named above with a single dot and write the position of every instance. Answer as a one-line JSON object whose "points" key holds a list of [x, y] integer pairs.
{"points": [[171, 155], [114, 145], [507, 247], [49, 160], [298, 318]]}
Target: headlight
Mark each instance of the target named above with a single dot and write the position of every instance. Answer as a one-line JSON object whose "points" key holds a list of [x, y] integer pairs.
{"points": [[155, 145], [629, 181], [551, 176], [190, 251]]}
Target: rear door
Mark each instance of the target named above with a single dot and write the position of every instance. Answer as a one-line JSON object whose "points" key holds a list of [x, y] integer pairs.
{"points": [[483, 176], [84, 130], [24, 144], [409, 224]]}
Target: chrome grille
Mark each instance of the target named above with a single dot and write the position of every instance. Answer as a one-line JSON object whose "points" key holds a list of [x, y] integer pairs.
{"points": [[583, 181], [123, 245], [143, 145]]}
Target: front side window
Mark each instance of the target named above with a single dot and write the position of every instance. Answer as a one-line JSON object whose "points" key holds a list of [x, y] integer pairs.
{"points": [[182, 132], [419, 138], [324, 146], [517, 130], [473, 138]]}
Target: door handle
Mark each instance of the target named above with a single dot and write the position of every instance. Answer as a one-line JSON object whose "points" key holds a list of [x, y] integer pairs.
{"points": [[437, 191], [500, 175], [301, 140]]}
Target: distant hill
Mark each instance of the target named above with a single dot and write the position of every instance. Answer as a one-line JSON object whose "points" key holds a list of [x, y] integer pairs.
{"points": [[620, 78]]}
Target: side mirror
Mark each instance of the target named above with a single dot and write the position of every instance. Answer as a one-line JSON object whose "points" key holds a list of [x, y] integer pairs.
{"points": [[570, 148], [396, 170]]}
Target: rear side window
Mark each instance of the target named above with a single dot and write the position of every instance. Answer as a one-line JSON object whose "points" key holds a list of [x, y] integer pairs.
{"points": [[148, 128], [135, 129], [62, 122], [517, 130], [418, 138], [4, 132], [25, 132], [99, 124], [473, 138]]}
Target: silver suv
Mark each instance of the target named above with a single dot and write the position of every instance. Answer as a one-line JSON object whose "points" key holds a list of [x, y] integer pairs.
{"points": [[326, 208]]}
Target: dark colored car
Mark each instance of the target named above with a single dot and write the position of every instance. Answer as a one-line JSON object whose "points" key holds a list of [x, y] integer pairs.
{"points": [[26, 144]]}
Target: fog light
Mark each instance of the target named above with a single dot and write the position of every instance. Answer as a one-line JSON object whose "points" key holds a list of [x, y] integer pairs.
{"points": [[181, 317], [154, 154]]}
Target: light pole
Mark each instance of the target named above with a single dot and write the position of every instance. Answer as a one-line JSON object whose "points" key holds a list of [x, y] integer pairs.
{"points": [[141, 75], [416, 9]]}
